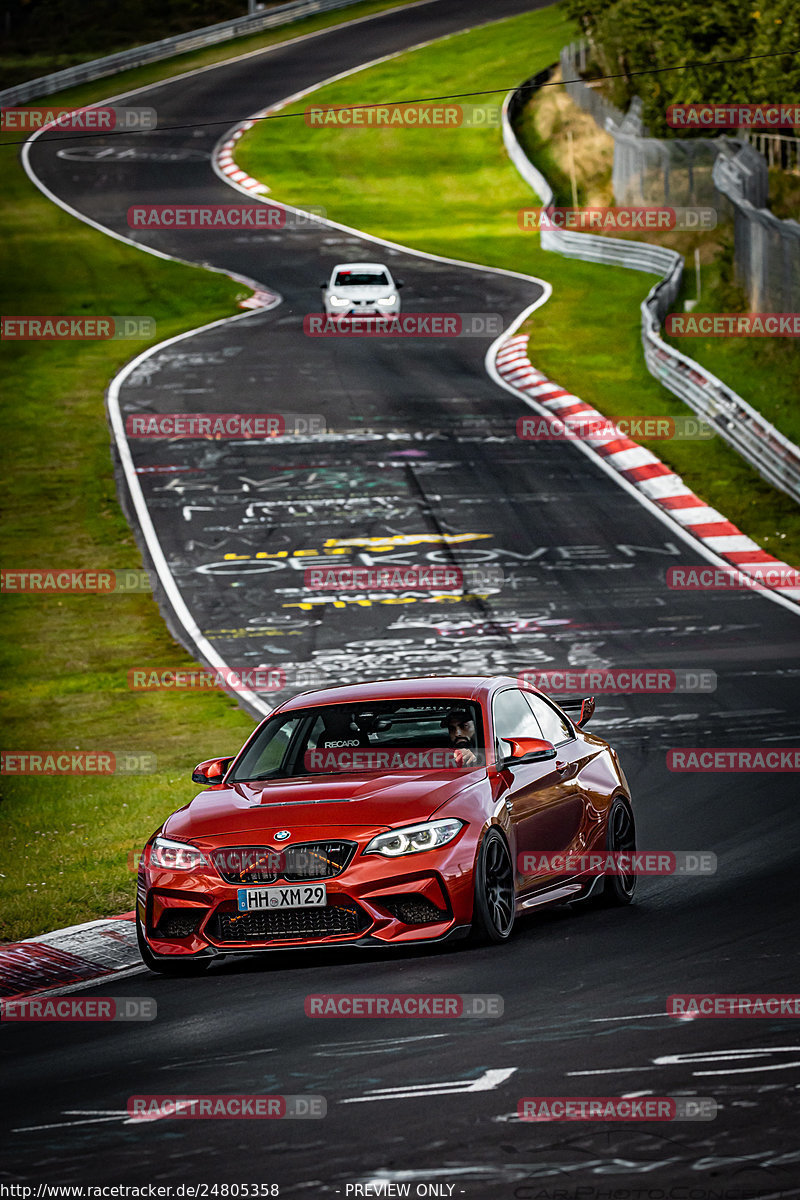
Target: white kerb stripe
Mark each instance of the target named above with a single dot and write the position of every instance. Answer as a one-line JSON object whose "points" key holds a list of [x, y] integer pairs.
{"points": [[626, 460], [699, 515], [547, 386], [723, 545], [567, 402], [660, 487]]}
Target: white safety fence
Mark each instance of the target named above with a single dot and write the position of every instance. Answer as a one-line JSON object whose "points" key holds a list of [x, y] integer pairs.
{"points": [[181, 43], [773, 455]]}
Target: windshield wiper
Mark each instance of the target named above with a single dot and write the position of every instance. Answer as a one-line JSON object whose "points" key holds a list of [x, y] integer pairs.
{"points": [[261, 778], [313, 775]]}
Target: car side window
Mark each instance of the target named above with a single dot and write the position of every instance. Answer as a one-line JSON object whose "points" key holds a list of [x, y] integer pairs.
{"points": [[268, 757], [513, 718], [554, 727]]}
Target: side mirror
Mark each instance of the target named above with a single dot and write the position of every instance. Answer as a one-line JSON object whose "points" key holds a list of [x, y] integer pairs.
{"points": [[212, 771], [324, 283], [398, 283], [529, 749]]}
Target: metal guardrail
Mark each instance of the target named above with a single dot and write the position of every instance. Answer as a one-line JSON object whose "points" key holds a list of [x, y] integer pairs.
{"points": [[181, 43], [754, 438]]}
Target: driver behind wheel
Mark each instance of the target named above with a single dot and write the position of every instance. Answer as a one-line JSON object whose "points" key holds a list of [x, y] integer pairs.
{"points": [[462, 735]]}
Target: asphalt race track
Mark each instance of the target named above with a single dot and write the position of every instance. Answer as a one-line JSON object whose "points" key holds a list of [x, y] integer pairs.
{"points": [[422, 451]]}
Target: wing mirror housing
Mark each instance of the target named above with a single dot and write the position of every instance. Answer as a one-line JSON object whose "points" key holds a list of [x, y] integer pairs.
{"points": [[529, 749], [212, 771], [324, 283], [398, 283]]}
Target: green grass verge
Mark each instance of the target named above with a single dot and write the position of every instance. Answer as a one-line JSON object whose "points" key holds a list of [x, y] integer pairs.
{"points": [[65, 658], [64, 842], [454, 192]]}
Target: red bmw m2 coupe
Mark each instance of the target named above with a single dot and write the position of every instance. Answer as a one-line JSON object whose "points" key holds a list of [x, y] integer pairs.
{"points": [[389, 813]]}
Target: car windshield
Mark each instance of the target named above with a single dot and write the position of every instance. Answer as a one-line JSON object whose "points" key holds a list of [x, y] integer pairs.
{"points": [[384, 735], [361, 279]]}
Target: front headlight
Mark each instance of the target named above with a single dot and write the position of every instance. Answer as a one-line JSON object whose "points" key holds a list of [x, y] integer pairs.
{"points": [[176, 856], [338, 301], [388, 299], [415, 838]]}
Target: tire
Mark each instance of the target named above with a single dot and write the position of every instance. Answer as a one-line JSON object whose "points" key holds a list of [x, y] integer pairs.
{"points": [[619, 890], [164, 966], [493, 913]]}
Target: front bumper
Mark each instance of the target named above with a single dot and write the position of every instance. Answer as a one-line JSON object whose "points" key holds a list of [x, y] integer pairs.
{"points": [[374, 901], [362, 310]]}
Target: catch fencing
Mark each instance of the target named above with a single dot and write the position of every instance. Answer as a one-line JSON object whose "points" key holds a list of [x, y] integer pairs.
{"points": [[726, 173], [738, 423]]}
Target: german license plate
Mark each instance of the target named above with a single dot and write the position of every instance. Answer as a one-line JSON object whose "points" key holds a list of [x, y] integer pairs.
{"points": [[304, 896]]}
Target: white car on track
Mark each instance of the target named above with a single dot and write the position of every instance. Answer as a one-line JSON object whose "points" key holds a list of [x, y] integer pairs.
{"points": [[362, 290]]}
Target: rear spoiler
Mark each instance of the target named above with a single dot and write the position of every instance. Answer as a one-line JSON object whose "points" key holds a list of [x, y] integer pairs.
{"points": [[586, 706]]}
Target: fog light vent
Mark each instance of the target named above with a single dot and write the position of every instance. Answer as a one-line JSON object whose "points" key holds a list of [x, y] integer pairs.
{"points": [[178, 922], [412, 909]]}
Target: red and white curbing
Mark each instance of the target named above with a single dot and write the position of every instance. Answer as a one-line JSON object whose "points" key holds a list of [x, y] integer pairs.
{"points": [[80, 954], [259, 299], [640, 467], [227, 165]]}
